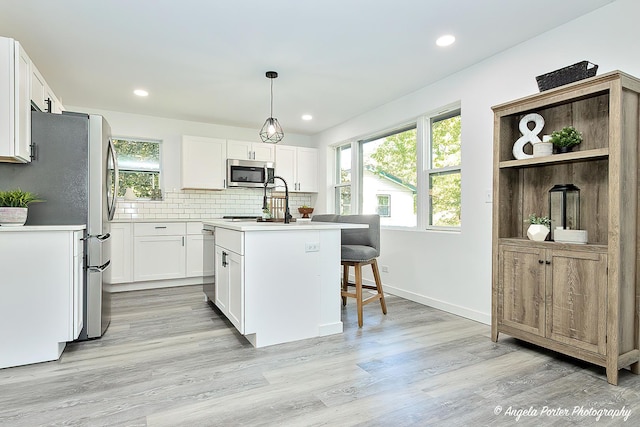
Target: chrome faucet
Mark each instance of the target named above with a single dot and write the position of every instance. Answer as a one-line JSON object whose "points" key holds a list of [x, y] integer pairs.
{"points": [[287, 214]]}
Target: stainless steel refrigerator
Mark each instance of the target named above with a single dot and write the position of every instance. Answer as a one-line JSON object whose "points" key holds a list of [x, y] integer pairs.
{"points": [[74, 170]]}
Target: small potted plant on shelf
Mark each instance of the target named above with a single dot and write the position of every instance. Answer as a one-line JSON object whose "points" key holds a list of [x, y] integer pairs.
{"points": [[14, 205], [565, 139], [305, 211], [539, 227]]}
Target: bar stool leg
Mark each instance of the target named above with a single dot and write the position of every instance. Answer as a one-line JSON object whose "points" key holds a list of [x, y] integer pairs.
{"points": [[376, 276], [358, 269], [345, 282]]}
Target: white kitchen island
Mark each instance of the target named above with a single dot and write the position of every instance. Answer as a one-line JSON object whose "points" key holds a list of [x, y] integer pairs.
{"points": [[278, 282]]}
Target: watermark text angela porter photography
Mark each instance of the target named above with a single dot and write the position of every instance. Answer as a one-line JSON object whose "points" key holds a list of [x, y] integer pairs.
{"points": [[562, 412]]}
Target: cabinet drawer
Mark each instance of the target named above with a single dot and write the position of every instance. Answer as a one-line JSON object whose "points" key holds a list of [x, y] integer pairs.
{"points": [[230, 239], [194, 228], [159, 229]]}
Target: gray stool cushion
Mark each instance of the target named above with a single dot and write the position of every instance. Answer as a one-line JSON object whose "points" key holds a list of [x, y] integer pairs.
{"points": [[358, 253]]}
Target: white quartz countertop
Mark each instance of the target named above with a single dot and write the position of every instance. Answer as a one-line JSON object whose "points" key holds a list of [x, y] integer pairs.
{"points": [[27, 228], [279, 226]]}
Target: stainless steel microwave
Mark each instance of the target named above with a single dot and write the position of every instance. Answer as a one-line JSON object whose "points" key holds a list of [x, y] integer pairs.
{"points": [[249, 173]]}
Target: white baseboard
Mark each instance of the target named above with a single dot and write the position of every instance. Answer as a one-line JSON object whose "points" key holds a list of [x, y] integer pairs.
{"points": [[153, 284], [432, 302]]}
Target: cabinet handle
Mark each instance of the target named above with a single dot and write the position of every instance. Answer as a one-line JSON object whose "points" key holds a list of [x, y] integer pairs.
{"points": [[540, 261], [547, 262], [182, 240], [159, 227], [224, 259]]}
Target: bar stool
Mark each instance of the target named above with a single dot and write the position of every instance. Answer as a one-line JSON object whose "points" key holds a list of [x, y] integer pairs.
{"points": [[360, 246]]}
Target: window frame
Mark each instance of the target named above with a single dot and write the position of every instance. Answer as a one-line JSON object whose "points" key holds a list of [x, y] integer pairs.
{"points": [[430, 171], [140, 170], [424, 150]]}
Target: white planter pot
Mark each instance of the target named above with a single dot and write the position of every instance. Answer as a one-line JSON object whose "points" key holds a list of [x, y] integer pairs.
{"points": [[10, 217], [541, 149], [537, 232]]}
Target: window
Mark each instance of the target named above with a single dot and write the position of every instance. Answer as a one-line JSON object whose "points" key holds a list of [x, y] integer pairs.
{"points": [[389, 168], [343, 180], [139, 165], [444, 170], [384, 205], [379, 174]]}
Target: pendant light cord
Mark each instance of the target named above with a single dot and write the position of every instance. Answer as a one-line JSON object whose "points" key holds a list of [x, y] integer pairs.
{"points": [[271, 97]]}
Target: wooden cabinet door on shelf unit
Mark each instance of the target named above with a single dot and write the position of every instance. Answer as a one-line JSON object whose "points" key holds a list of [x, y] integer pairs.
{"points": [[580, 300], [554, 293]]}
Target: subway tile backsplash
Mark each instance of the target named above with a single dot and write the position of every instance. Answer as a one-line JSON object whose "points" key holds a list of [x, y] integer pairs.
{"points": [[203, 204]]}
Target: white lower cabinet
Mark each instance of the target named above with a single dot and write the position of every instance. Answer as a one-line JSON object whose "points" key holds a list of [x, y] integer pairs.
{"points": [[41, 307], [229, 270], [159, 251], [195, 250], [121, 252], [78, 288], [148, 251]]}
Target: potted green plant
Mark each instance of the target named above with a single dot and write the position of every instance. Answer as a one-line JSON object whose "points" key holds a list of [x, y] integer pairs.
{"points": [[14, 206], [539, 227], [565, 139]]}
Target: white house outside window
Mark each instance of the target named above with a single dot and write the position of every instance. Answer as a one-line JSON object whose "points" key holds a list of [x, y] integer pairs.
{"points": [[388, 166]]}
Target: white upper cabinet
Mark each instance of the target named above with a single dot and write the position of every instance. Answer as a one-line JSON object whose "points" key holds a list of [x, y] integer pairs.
{"points": [[203, 163], [246, 150], [38, 85], [15, 102], [299, 167], [42, 95]]}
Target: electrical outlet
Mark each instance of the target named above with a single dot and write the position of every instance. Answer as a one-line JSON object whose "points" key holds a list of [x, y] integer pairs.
{"points": [[311, 247], [488, 196], [385, 268]]}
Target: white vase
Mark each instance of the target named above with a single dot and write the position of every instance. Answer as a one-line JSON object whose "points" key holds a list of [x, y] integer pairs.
{"points": [[537, 232], [12, 217]]}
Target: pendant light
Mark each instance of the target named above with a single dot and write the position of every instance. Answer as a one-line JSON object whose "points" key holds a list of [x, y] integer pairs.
{"points": [[271, 131]]}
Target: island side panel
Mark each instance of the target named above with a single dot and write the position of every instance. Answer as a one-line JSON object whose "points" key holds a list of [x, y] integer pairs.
{"points": [[287, 285]]}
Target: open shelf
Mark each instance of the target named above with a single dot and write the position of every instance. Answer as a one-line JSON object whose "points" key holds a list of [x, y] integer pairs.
{"points": [[577, 156]]}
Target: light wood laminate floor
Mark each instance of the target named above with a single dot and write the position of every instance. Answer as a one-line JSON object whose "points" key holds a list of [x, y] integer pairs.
{"points": [[169, 359]]}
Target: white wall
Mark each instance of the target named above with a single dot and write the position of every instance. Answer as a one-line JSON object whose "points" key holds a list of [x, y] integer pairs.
{"points": [[170, 132], [452, 271]]}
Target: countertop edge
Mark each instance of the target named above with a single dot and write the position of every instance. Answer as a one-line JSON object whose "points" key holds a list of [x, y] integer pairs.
{"points": [[26, 228], [279, 226]]}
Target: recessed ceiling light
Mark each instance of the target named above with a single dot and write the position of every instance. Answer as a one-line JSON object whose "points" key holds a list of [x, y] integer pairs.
{"points": [[445, 40], [307, 117], [141, 92]]}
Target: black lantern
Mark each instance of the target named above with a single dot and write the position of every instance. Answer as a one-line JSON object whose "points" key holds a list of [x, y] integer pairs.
{"points": [[564, 207]]}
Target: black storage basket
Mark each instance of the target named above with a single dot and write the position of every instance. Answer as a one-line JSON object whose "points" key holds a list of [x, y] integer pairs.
{"points": [[566, 75]]}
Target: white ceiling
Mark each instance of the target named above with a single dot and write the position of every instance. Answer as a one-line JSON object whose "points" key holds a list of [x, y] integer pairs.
{"points": [[205, 60]]}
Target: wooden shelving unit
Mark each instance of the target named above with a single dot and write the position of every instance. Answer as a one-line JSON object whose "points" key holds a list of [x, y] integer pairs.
{"points": [[580, 300]]}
